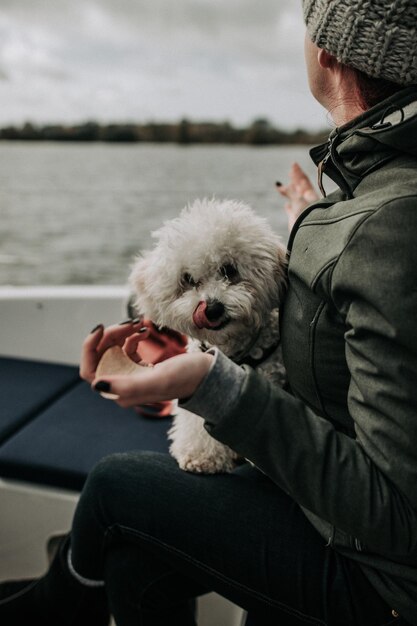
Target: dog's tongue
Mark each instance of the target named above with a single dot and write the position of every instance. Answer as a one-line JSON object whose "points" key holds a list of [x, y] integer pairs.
{"points": [[200, 319]]}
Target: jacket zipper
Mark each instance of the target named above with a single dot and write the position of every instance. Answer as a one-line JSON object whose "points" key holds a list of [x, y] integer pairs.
{"points": [[335, 173], [322, 167]]}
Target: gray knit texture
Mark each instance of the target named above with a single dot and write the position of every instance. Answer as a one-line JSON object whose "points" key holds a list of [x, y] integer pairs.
{"points": [[378, 37]]}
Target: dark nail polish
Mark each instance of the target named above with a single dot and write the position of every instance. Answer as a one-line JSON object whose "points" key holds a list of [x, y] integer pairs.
{"points": [[125, 322], [102, 385], [137, 320], [143, 330], [95, 329], [278, 184]]}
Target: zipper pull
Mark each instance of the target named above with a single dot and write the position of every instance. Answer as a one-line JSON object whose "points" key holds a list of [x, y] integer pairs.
{"points": [[320, 173], [322, 166]]}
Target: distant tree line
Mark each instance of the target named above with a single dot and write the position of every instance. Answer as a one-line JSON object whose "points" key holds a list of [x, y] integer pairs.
{"points": [[260, 132]]}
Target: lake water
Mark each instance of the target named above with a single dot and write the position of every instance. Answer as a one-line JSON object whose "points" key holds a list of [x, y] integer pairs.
{"points": [[78, 214]]}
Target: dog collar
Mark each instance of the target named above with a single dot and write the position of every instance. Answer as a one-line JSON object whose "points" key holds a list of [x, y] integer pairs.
{"points": [[252, 361]]}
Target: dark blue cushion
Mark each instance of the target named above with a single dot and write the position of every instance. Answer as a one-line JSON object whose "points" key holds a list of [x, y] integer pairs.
{"points": [[27, 387], [62, 444]]}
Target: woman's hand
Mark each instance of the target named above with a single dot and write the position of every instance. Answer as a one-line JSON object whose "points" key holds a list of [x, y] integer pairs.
{"points": [[177, 377], [299, 193], [127, 335]]}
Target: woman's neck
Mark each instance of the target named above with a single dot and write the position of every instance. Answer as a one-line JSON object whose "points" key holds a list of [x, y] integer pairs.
{"points": [[342, 100], [344, 112]]}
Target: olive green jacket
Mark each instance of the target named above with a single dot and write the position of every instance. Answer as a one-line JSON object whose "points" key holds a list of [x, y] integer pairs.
{"points": [[343, 443]]}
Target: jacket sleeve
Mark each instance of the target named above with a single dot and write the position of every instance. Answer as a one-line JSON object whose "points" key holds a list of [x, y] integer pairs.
{"points": [[366, 486]]}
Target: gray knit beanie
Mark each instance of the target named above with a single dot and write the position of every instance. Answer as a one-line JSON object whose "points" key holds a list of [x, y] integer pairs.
{"points": [[378, 37]]}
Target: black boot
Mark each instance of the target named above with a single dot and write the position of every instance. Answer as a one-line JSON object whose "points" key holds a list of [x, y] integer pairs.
{"points": [[56, 599]]}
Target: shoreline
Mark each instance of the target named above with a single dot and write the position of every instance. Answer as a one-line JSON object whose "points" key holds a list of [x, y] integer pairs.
{"points": [[260, 133]]}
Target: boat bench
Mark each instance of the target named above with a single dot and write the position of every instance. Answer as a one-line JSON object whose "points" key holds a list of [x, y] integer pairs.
{"points": [[54, 428]]}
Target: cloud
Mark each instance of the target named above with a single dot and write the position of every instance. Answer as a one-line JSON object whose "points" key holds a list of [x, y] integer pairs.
{"points": [[143, 59]]}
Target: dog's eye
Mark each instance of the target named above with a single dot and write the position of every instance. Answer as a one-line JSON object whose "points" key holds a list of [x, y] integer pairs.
{"points": [[188, 281], [229, 271]]}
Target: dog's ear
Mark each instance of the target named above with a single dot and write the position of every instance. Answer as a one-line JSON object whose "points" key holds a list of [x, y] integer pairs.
{"points": [[138, 281]]}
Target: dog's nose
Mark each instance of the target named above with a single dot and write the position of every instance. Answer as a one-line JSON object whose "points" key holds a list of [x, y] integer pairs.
{"points": [[214, 311]]}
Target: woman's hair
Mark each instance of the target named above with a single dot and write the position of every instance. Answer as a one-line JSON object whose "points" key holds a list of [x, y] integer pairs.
{"points": [[369, 91]]}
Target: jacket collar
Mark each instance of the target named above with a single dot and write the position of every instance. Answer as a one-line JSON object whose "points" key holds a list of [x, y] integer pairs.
{"points": [[381, 134]]}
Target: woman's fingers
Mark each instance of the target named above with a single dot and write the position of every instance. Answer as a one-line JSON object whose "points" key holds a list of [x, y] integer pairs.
{"points": [[117, 334], [89, 358], [302, 184], [99, 340], [311, 195], [299, 183], [130, 347], [177, 377], [283, 190], [299, 193], [132, 390]]}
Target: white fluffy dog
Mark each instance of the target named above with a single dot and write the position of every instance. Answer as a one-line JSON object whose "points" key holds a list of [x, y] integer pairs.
{"points": [[216, 274]]}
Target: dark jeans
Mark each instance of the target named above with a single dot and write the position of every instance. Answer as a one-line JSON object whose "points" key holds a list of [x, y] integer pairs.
{"points": [[160, 537]]}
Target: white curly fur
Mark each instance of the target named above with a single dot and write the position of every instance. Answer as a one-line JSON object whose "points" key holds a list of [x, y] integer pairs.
{"points": [[207, 236]]}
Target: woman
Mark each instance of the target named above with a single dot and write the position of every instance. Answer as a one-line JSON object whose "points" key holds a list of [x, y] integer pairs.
{"points": [[325, 531]]}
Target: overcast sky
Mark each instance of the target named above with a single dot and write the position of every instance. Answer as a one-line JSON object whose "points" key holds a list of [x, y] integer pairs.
{"points": [[142, 60]]}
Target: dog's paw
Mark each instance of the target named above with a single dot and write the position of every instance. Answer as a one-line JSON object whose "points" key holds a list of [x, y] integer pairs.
{"points": [[205, 465]]}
